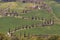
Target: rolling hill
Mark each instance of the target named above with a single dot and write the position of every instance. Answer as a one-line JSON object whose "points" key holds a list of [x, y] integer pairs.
{"points": [[14, 22]]}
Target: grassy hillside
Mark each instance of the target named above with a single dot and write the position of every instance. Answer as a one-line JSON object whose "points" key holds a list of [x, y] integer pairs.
{"points": [[43, 30], [16, 6], [12, 22]]}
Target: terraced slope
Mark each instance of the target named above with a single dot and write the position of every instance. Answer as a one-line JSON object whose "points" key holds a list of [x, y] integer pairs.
{"points": [[12, 22]]}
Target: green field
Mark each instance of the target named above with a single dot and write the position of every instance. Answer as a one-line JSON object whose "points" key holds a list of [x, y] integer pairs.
{"points": [[42, 30], [12, 22]]}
